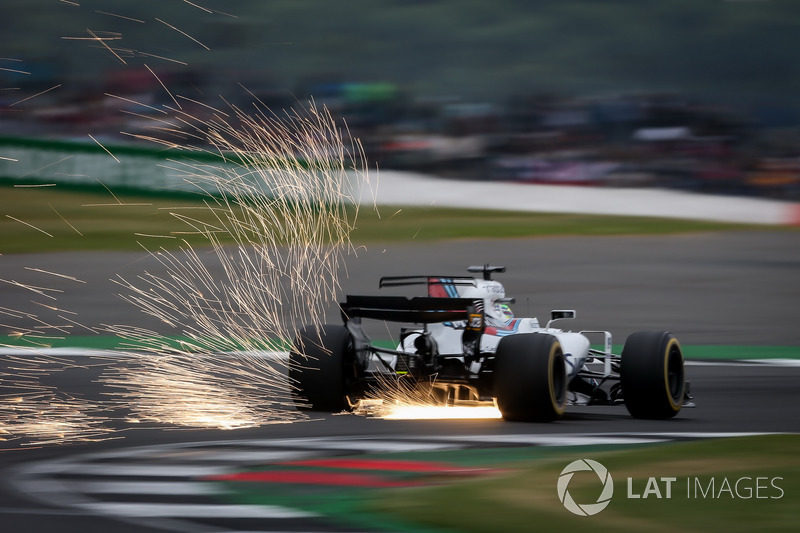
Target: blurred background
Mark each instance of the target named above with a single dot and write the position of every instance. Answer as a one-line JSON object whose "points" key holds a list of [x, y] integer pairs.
{"points": [[676, 93]]}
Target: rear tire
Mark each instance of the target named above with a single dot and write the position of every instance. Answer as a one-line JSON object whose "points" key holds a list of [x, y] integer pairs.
{"points": [[530, 378], [318, 363], [652, 375]]}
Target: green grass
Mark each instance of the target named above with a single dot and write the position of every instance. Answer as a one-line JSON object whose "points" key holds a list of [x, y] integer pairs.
{"points": [[46, 219], [432, 224], [524, 498]]}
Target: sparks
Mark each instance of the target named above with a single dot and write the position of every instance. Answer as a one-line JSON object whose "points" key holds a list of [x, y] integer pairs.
{"points": [[102, 41], [439, 412], [284, 205], [35, 95], [182, 33], [285, 193], [119, 16], [29, 225], [103, 147]]}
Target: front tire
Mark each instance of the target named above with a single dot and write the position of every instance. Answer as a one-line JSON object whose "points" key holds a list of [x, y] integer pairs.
{"points": [[318, 363], [652, 375], [530, 378]]}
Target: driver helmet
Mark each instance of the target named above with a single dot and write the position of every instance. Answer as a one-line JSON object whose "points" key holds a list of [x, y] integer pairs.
{"points": [[502, 313]]}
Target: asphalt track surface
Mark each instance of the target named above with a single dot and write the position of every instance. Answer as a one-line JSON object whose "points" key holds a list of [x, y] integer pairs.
{"points": [[716, 288], [732, 288]]}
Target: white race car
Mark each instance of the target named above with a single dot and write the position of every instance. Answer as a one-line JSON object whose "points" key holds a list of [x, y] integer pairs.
{"points": [[467, 346]]}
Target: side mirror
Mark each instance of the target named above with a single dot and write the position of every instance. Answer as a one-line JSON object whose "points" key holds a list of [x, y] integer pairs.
{"points": [[560, 314]]}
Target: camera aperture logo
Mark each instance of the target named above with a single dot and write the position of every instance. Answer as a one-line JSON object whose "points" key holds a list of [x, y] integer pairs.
{"points": [[585, 509]]}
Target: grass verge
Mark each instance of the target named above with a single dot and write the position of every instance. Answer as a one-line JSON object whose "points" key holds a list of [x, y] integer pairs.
{"points": [[732, 485], [437, 223], [45, 219]]}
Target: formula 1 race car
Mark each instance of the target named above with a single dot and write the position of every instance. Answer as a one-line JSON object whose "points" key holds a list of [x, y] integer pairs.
{"points": [[467, 347]]}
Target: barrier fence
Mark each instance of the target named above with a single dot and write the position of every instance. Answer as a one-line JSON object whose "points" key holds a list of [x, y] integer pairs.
{"points": [[113, 166]]}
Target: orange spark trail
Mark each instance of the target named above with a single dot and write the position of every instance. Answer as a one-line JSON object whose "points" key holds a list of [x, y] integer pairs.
{"points": [[35, 95], [162, 85], [29, 225], [183, 33], [118, 16], [103, 147], [102, 41]]}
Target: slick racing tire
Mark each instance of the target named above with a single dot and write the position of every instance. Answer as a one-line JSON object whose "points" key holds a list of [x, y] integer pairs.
{"points": [[318, 368], [530, 378], [652, 375]]}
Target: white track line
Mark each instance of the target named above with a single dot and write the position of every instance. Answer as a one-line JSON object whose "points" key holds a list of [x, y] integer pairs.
{"points": [[128, 470], [161, 488], [747, 362], [182, 510], [556, 440], [355, 444], [775, 362]]}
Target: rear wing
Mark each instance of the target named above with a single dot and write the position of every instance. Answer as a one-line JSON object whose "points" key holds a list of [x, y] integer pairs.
{"points": [[438, 286], [399, 281], [418, 310], [442, 286], [396, 281]]}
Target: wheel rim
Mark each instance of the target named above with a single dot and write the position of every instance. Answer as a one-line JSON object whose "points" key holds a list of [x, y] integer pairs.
{"points": [[674, 374], [558, 376]]}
